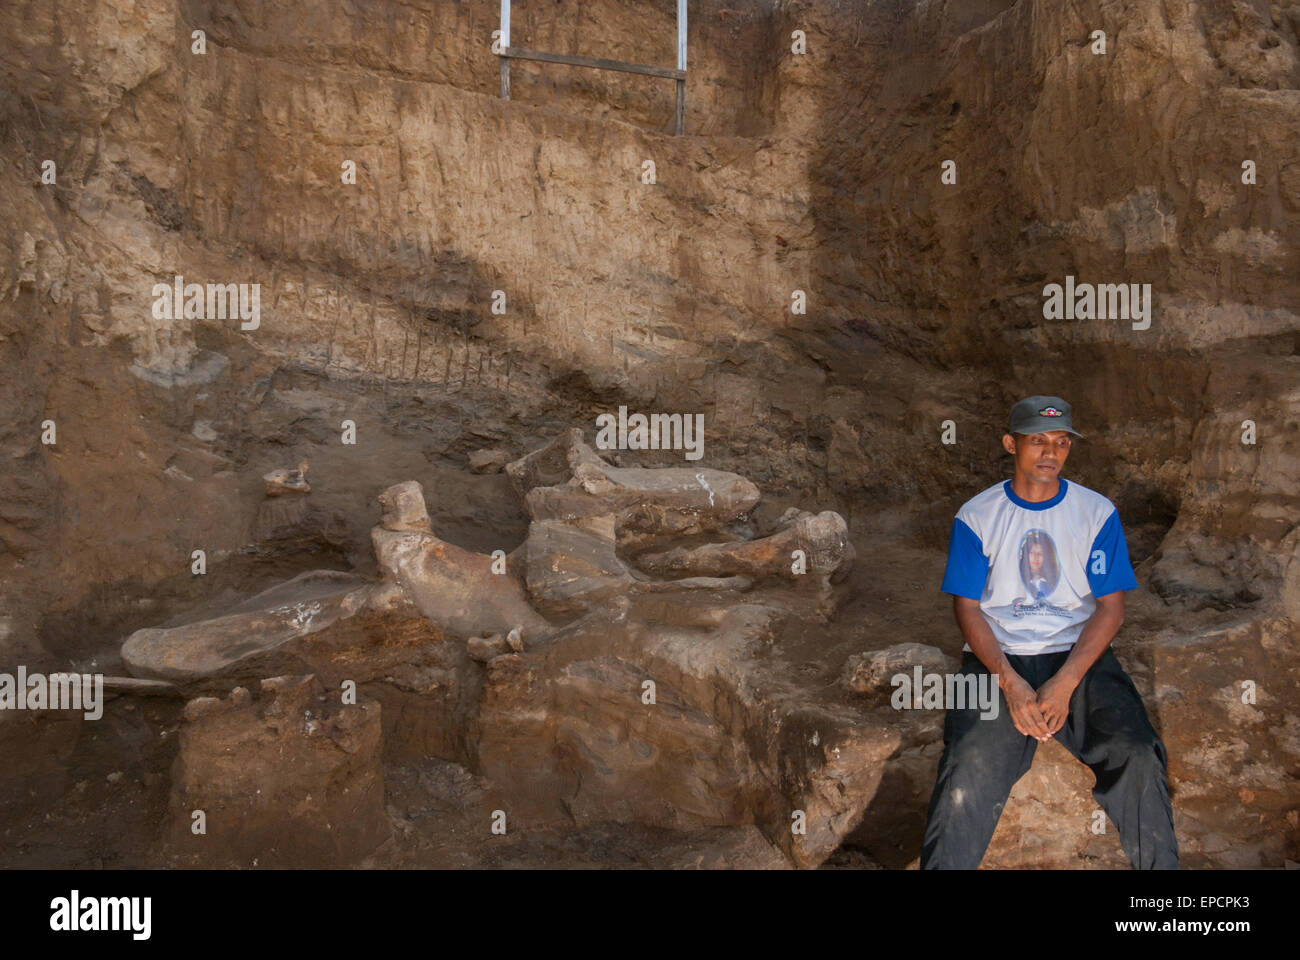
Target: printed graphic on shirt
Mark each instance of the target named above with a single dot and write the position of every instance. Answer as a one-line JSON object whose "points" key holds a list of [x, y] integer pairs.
{"points": [[1039, 568], [1040, 572]]}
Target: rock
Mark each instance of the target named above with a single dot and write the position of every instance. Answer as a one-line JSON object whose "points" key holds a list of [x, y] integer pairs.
{"points": [[1229, 682], [515, 640], [573, 566], [290, 779], [200, 706], [571, 721], [1049, 818], [488, 461], [552, 464], [872, 671], [484, 649], [404, 508], [280, 482]]}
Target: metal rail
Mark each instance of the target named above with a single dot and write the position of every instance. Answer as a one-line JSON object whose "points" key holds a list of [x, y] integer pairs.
{"points": [[509, 53]]}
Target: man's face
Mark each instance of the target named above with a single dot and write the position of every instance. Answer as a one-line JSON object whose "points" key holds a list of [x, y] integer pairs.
{"points": [[1039, 455]]}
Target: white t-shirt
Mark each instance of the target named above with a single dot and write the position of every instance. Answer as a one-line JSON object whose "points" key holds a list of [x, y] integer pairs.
{"points": [[1037, 568]]}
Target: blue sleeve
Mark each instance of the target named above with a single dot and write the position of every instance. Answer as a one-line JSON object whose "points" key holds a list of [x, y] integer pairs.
{"points": [[968, 568], [1108, 565]]}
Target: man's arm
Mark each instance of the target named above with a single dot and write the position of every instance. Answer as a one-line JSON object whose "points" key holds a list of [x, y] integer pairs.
{"points": [[1022, 701], [1098, 632]]}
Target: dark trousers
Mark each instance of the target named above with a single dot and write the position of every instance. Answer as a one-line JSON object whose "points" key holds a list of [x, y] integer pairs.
{"points": [[1107, 728]]}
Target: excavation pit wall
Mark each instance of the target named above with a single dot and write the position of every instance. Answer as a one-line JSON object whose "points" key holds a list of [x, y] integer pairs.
{"points": [[925, 300]]}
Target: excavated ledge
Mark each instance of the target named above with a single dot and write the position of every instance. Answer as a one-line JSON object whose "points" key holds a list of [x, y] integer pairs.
{"points": [[644, 700], [817, 173]]}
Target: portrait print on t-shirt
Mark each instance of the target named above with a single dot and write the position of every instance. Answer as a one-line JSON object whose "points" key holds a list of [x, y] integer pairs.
{"points": [[1039, 569], [1040, 572]]}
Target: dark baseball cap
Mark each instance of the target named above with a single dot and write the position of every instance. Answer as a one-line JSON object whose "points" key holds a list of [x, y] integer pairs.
{"points": [[1041, 415]]}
